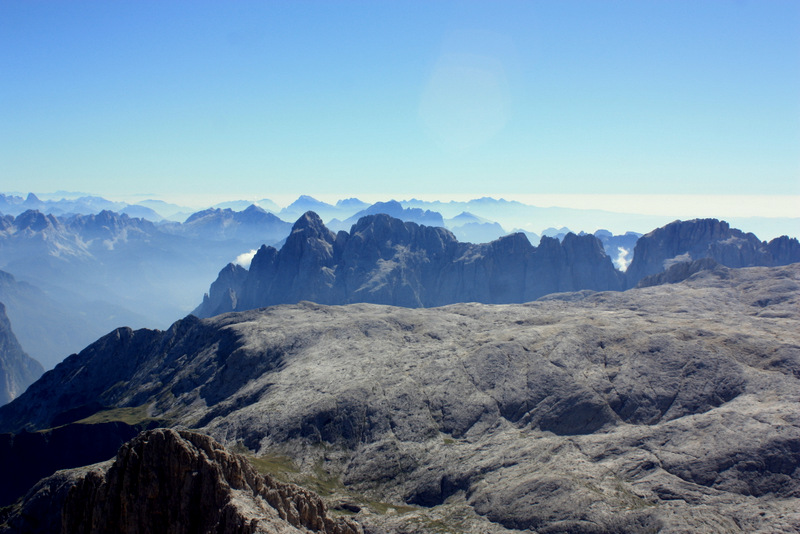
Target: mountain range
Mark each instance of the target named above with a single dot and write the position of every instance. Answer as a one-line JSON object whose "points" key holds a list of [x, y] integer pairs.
{"points": [[384, 260], [78, 277], [84, 274], [669, 408], [251, 225]]}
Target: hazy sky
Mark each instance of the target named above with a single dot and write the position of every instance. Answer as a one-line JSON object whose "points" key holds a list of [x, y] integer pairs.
{"points": [[400, 99]]}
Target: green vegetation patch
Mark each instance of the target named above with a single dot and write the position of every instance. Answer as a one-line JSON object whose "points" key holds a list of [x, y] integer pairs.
{"points": [[277, 465], [323, 482], [132, 416]]}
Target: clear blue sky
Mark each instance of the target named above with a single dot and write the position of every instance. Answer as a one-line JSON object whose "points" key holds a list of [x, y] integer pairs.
{"points": [[398, 98]]}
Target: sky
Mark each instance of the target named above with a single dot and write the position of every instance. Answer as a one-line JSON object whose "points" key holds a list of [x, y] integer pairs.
{"points": [[599, 99]]}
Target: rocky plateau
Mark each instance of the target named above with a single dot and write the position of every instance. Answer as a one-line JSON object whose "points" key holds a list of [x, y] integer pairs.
{"points": [[669, 408]]}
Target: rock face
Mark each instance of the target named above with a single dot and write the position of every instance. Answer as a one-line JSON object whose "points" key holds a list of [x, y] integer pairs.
{"points": [[685, 241], [177, 482], [27, 457], [17, 369], [679, 272], [384, 260], [670, 408]]}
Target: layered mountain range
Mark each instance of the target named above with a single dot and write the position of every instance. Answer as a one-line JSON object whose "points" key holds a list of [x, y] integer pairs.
{"points": [[671, 408], [78, 277], [385, 260]]}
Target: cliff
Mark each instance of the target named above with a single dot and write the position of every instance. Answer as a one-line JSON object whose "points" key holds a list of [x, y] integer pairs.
{"points": [[686, 241], [176, 482], [383, 260], [17, 369]]}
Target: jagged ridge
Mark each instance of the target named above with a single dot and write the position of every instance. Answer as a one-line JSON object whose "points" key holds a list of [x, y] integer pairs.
{"points": [[178, 482], [383, 260]]}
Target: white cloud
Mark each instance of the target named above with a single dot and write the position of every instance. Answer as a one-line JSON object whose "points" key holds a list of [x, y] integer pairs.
{"points": [[245, 259]]}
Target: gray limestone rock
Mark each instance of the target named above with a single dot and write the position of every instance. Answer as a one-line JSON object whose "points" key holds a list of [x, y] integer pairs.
{"points": [[177, 482], [670, 408], [686, 241], [383, 260]]}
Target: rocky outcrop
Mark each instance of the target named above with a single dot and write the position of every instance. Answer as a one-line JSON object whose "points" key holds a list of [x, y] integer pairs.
{"points": [[26, 457], [384, 260], [685, 241], [671, 408], [177, 482], [679, 272], [17, 369]]}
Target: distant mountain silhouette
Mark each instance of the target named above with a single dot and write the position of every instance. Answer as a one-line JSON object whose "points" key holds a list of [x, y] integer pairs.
{"points": [[477, 232], [253, 224], [14, 205], [351, 204], [306, 203], [384, 260], [17, 369], [78, 277]]}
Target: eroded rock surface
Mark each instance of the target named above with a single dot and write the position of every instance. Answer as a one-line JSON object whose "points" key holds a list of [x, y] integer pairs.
{"points": [[176, 482], [671, 408]]}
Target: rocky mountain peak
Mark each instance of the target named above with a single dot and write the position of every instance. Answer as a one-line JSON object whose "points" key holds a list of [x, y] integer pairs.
{"points": [[179, 482], [686, 241], [205, 213], [32, 200], [253, 212], [36, 221], [311, 224], [385, 260]]}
